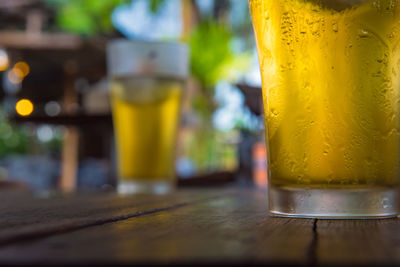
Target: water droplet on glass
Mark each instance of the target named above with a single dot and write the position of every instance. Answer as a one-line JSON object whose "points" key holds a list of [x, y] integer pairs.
{"points": [[266, 15], [274, 112], [364, 34], [335, 27]]}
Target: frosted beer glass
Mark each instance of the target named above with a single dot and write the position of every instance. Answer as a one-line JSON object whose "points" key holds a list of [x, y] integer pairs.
{"points": [[330, 72], [146, 86]]}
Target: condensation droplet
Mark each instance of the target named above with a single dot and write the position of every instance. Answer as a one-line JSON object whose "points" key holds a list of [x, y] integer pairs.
{"points": [[274, 112], [364, 33], [335, 27], [266, 15]]}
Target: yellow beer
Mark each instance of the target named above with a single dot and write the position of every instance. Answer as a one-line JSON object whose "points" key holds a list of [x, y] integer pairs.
{"points": [[330, 71], [146, 114]]}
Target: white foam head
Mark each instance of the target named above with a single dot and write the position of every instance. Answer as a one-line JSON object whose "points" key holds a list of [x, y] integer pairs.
{"points": [[141, 58]]}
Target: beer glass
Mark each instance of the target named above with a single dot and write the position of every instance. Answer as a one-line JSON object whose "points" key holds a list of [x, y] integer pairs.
{"points": [[330, 78], [146, 86]]}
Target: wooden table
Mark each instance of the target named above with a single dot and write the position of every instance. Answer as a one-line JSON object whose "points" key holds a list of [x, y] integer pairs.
{"points": [[191, 227]]}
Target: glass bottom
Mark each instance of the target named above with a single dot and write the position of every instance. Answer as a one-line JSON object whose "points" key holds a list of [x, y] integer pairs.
{"points": [[144, 187], [371, 203]]}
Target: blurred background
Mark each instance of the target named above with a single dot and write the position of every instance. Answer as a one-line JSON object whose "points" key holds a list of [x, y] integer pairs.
{"points": [[55, 120]]}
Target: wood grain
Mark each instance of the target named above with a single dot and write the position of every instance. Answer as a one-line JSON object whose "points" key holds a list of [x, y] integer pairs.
{"points": [[358, 242], [190, 227], [231, 229], [28, 217]]}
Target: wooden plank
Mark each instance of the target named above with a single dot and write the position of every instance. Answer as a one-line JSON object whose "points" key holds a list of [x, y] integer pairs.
{"points": [[232, 229], [26, 40], [69, 160], [68, 119], [358, 242], [191, 226], [25, 218], [11, 4], [70, 148]]}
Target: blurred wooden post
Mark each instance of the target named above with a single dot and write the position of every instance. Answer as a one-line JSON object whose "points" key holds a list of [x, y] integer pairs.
{"points": [[190, 17], [69, 160], [70, 155], [34, 22], [186, 18]]}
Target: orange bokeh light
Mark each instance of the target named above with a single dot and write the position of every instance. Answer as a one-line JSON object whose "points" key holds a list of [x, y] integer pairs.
{"points": [[24, 107], [4, 62], [23, 67]]}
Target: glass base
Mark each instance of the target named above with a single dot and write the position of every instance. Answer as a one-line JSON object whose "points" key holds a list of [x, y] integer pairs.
{"points": [[144, 187], [373, 203]]}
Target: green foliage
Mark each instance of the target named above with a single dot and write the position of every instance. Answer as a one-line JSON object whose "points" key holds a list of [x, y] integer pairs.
{"points": [[15, 139], [210, 51], [212, 58], [209, 150], [89, 17], [12, 139], [155, 5], [249, 124]]}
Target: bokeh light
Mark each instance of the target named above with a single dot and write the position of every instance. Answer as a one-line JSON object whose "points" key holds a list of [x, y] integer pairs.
{"points": [[52, 108], [4, 62], [15, 76], [45, 133], [24, 107], [23, 67]]}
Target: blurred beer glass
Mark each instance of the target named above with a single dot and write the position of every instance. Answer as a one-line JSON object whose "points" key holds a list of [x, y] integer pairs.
{"points": [[330, 71], [146, 85]]}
